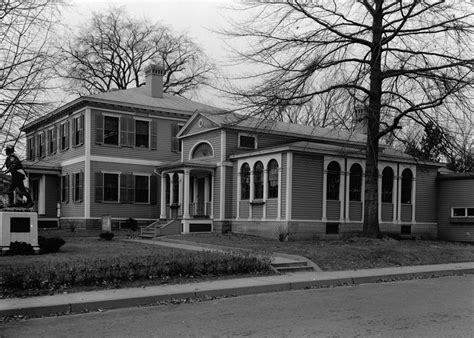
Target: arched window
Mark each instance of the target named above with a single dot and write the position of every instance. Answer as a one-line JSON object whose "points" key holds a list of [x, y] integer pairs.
{"points": [[202, 150], [245, 182], [258, 180], [333, 181], [175, 189], [387, 185], [355, 183], [407, 179], [272, 179]]}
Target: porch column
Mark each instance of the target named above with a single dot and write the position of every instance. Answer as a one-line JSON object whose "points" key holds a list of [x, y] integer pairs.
{"points": [[346, 195], [413, 199], [239, 193], [379, 183], [279, 193], [180, 191], [186, 194], [163, 197], [172, 183], [396, 198], [206, 195], [252, 191], [399, 201], [342, 184], [265, 192], [325, 189]]}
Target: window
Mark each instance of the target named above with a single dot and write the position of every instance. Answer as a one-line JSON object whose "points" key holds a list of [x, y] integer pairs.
{"points": [[40, 141], [142, 189], [462, 212], [78, 131], [30, 146], [333, 181], [65, 188], [355, 183], [142, 134], [202, 150], [111, 130], [64, 135], [111, 187], [258, 180], [407, 180], [77, 186], [245, 182], [273, 179], [52, 140], [247, 141], [387, 185]]}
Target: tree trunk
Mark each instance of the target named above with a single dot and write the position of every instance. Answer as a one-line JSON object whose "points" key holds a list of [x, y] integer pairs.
{"points": [[371, 215]]}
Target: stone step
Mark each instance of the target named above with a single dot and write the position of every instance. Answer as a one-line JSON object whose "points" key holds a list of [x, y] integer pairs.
{"points": [[289, 264], [290, 269]]}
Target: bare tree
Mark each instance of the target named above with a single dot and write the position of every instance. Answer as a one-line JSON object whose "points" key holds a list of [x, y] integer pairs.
{"points": [[401, 60], [26, 62], [112, 49]]}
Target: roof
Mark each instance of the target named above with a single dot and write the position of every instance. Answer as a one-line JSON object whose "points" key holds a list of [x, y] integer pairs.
{"points": [[130, 98], [234, 120]]}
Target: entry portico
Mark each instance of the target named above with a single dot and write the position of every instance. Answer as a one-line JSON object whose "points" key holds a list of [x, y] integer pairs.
{"points": [[187, 194]]}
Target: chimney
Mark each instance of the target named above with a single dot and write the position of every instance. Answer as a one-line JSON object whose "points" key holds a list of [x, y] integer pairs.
{"points": [[360, 118], [154, 80]]}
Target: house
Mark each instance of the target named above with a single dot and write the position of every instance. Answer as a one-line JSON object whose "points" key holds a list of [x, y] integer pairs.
{"points": [[265, 178], [178, 166], [96, 155]]}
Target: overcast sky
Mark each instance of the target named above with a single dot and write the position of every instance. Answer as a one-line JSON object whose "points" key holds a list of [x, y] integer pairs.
{"points": [[197, 18]]}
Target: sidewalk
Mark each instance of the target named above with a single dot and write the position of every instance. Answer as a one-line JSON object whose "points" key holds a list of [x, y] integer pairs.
{"points": [[130, 297]]}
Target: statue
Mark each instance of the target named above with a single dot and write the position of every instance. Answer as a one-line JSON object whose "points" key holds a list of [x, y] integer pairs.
{"points": [[18, 179]]}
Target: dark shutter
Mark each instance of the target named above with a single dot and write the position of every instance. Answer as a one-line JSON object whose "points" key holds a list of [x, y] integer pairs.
{"points": [[131, 188], [99, 129], [67, 134], [153, 189], [81, 128], [154, 136], [99, 187], [55, 139], [123, 188], [174, 139], [81, 186], [67, 188]]}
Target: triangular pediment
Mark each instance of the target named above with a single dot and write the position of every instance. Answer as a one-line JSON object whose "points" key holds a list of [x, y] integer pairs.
{"points": [[198, 123]]}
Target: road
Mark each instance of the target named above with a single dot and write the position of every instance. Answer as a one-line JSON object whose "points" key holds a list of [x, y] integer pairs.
{"points": [[440, 307]]}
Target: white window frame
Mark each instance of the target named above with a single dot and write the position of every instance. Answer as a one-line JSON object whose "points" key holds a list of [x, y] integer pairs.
{"points": [[149, 186], [135, 119], [119, 173], [465, 212]]}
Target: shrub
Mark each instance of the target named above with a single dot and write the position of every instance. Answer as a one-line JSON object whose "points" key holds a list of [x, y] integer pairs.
{"points": [[20, 248], [131, 224], [107, 235], [50, 245], [114, 271]]}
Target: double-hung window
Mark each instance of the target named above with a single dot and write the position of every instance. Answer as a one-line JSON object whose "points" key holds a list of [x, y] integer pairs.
{"points": [[77, 186], [142, 134], [65, 188], [64, 135], [78, 131], [52, 140], [111, 130], [142, 189], [111, 187]]}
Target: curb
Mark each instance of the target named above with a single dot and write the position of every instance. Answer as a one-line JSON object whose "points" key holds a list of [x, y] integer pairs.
{"points": [[309, 282]]}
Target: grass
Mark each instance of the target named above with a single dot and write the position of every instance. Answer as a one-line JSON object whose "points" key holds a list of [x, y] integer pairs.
{"points": [[352, 254], [85, 263]]}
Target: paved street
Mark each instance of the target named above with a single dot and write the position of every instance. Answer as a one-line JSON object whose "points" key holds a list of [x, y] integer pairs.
{"points": [[431, 308]]}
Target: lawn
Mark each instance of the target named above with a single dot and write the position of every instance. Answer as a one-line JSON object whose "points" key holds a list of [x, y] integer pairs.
{"points": [[86, 263], [352, 254]]}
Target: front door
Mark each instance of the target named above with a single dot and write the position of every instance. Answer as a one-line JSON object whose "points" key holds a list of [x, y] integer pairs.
{"points": [[201, 203]]}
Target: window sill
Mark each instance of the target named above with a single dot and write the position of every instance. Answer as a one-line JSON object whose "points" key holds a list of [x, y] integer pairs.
{"points": [[257, 203], [461, 220]]}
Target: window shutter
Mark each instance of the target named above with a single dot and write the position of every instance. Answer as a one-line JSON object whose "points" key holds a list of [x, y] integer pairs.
{"points": [[81, 186], [67, 188], [154, 137], [99, 129], [55, 139], [99, 187], [81, 128], [33, 148], [153, 189], [43, 144], [131, 188], [123, 188], [174, 139], [131, 132], [67, 134]]}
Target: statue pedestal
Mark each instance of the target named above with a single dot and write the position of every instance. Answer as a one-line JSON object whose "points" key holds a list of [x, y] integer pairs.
{"points": [[18, 226]]}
